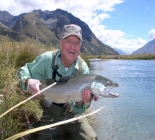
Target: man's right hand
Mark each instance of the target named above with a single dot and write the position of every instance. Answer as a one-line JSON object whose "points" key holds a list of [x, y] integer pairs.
{"points": [[33, 86]]}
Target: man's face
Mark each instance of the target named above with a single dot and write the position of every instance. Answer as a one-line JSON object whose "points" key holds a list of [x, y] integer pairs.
{"points": [[70, 49]]}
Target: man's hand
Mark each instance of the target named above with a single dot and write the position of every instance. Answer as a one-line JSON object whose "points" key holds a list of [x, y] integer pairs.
{"points": [[33, 87], [86, 96]]}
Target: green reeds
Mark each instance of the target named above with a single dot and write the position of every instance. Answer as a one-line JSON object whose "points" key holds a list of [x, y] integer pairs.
{"points": [[12, 56]]}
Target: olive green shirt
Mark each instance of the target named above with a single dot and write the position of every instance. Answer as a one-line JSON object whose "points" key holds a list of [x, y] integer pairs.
{"points": [[41, 68]]}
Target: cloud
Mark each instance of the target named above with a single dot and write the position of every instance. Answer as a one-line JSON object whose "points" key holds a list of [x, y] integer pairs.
{"points": [[151, 34], [92, 12], [117, 39], [17, 7]]}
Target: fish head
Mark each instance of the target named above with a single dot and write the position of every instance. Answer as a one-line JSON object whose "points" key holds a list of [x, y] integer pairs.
{"points": [[101, 87]]}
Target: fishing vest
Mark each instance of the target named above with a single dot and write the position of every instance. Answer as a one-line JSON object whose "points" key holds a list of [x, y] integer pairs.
{"points": [[56, 67], [46, 103]]}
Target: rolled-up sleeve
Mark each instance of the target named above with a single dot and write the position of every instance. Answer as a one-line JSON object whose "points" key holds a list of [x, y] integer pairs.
{"points": [[38, 69]]}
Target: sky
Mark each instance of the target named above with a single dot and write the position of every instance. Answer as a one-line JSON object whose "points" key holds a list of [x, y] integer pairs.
{"points": [[122, 24]]}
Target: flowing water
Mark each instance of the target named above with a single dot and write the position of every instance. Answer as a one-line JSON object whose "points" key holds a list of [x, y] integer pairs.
{"points": [[132, 115]]}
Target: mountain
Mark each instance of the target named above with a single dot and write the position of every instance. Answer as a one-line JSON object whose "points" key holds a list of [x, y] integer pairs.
{"points": [[46, 26], [6, 32], [5, 17], [148, 48]]}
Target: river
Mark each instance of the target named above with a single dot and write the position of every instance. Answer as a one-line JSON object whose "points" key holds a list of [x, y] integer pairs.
{"points": [[132, 115]]}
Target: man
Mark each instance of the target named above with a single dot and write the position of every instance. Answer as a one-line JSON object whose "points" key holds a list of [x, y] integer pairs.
{"points": [[49, 66]]}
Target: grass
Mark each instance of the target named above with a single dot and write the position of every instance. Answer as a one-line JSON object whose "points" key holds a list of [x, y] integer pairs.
{"points": [[12, 56]]}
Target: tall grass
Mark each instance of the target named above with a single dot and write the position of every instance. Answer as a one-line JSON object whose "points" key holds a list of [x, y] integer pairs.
{"points": [[12, 56]]}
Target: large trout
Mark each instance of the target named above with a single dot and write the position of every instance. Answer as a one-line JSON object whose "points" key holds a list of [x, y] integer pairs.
{"points": [[69, 89]]}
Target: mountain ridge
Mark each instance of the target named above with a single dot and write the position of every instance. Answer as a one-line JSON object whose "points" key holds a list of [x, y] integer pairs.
{"points": [[45, 27], [148, 48]]}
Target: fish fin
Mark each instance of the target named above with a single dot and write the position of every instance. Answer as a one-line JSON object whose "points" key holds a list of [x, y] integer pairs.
{"points": [[49, 82], [65, 108], [64, 79]]}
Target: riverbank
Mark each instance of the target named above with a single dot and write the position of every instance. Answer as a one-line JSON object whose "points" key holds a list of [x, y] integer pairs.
{"points": [[125, 57]]}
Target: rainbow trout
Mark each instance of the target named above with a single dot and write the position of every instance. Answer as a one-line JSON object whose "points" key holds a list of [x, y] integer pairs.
{"points": [[69, 89]]}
